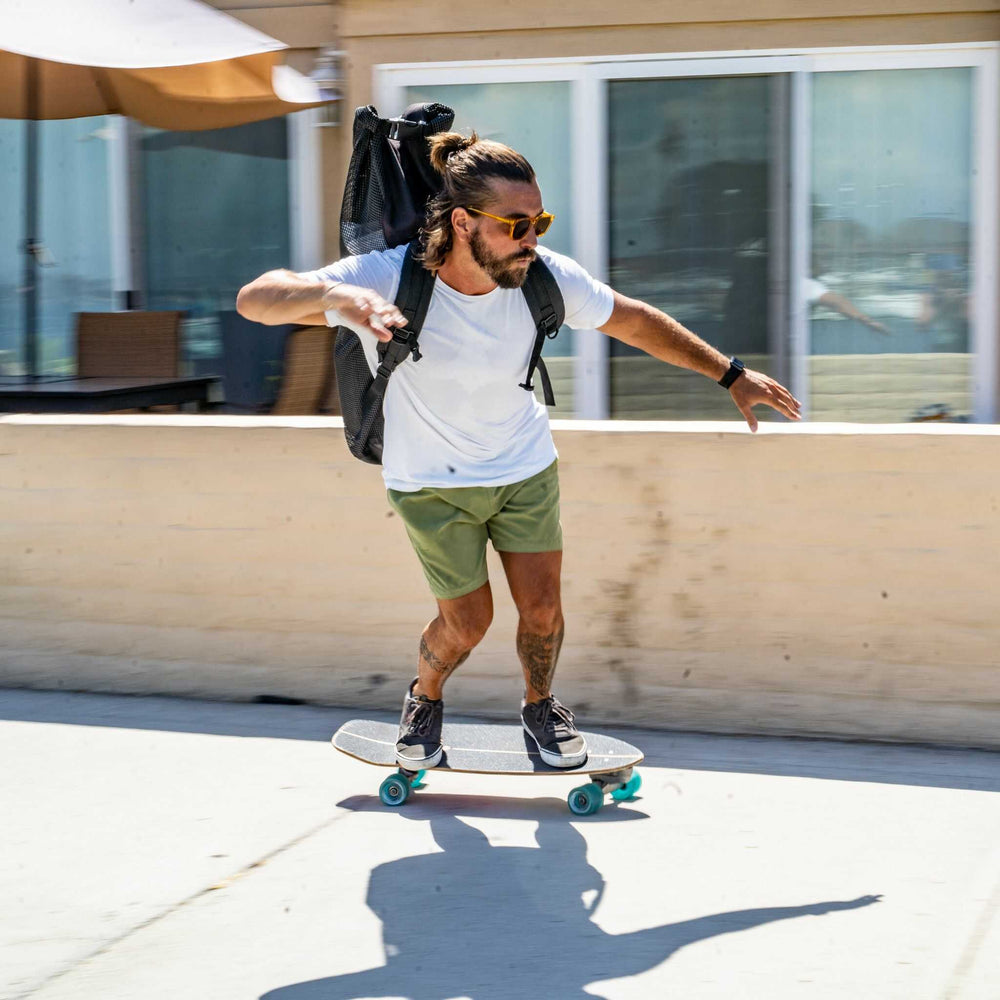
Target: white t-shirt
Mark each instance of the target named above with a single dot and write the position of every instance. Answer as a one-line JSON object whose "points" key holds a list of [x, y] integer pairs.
{"points": [[458, 417]]}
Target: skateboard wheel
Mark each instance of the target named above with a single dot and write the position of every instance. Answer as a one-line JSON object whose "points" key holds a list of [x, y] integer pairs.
{"points": [[628, 790], [586, 799], [394, 790], [418, 780]]}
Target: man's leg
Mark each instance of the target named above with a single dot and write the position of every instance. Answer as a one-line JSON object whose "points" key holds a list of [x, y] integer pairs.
{"points": [[444, 646], [448, 640], [534, 579]]}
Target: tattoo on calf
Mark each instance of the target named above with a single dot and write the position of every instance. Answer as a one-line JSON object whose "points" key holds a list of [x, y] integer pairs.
{"points": [[438, 665], [539, 655]]}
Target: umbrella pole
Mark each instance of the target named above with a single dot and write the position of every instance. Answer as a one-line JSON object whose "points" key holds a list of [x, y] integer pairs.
{"points": [[31, 241]]}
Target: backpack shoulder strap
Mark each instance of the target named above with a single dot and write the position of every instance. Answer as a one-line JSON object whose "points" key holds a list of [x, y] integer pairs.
{"points": [[416, 286], [548, 310], [413, 297]]}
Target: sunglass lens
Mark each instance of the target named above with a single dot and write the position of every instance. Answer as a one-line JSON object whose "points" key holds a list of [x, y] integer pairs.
{"points": [[520, 228], [542, 225]]}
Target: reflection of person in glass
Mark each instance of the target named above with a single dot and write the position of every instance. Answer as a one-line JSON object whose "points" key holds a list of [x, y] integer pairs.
{"points": [[817, 294]]}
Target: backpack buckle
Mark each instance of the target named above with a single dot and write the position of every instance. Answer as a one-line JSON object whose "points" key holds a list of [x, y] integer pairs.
{"points": [[549, 324], [402, 129], [408, 341]]}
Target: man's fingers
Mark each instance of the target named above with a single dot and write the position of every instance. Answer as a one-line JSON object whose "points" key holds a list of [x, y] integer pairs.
{"points": [[747, 411]]}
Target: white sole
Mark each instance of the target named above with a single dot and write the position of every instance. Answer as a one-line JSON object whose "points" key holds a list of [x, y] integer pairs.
{"points": [[556, 759], [411, 764]]}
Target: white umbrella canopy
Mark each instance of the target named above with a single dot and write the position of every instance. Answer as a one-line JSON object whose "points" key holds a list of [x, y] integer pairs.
{"points": [[175, 64], [172, 64]]}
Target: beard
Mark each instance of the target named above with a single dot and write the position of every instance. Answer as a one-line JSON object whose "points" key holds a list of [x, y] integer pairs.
{"points": [[505, 271]]}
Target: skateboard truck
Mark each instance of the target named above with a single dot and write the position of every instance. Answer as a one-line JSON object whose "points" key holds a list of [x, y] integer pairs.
{"points": [[582, 801], [587, 799]]}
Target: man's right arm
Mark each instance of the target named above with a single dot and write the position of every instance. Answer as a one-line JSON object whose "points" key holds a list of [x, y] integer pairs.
{"points": [[279, 297]]}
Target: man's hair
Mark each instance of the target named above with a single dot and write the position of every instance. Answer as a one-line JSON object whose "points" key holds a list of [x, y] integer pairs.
{"points": [[468, 165]]}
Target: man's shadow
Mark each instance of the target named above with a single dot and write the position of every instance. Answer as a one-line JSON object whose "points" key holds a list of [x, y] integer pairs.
{"points": [[498, 922]]}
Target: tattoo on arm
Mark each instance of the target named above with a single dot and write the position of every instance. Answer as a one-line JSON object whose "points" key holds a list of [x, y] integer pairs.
{"points": [[438, 665], [539, 655]]}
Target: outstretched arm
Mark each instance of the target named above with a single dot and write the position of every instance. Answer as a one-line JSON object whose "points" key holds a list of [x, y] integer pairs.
{"points": [[279, 297], [659, 335]]}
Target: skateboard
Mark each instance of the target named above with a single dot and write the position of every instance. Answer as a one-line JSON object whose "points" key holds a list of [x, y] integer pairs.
{"points": [[491, 749]]}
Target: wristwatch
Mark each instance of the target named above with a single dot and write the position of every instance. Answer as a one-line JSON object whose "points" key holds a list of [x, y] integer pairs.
{"points": [[735, 371]]}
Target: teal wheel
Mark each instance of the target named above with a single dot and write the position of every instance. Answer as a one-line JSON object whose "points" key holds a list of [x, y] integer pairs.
{"points": [[586, 799], [394, 790], [628, 790], [417, 781]]}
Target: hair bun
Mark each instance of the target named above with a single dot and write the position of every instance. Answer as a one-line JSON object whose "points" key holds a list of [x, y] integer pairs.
{"points": [[444, 145]]}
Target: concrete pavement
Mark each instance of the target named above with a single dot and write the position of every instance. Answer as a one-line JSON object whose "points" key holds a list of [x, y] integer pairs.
{"points": [[154, 848]]}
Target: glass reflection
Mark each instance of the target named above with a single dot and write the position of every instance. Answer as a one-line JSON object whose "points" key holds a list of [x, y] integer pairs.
{"points": [[692, 224], [75, 230], [891, 178], [216, 214]]}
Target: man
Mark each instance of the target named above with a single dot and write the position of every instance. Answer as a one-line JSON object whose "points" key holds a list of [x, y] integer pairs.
{"points": [[468, 455]]}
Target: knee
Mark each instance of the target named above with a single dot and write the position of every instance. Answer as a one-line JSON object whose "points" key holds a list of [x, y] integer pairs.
{"points": [[467, 631], [542, 618]]}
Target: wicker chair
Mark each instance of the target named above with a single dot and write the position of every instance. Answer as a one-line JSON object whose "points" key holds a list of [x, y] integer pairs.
{"points": [[307, 372], [129, 344]]}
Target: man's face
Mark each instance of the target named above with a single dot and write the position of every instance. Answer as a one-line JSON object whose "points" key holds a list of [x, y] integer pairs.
{"points": [[506, 260]]}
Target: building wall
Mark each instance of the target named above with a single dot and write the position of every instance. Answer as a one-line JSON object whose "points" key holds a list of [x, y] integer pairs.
{"points": [[814, 579]]}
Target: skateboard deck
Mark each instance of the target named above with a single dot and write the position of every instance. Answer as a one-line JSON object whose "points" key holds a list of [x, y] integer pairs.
{"points": [[481, 748]]}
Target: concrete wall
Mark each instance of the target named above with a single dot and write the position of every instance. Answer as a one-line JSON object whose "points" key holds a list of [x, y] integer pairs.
{"points": [[818, 579]]}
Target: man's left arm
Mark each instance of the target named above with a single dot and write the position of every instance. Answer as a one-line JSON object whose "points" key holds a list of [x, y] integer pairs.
{"points": [[659, 335]]}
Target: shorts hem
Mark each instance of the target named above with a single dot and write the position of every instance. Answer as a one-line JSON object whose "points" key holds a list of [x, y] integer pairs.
{"points": [[529, 550], [460, 592]]}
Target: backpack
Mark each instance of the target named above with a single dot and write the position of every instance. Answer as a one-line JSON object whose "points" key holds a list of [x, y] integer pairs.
{"points": [[389, 182]]}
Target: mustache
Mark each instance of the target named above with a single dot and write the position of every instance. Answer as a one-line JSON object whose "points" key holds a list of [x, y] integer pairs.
{"points": [[524, 255]]}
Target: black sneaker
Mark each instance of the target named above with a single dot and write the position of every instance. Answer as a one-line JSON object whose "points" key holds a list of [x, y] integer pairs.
{"points": [[550, 725], [419, 744]]}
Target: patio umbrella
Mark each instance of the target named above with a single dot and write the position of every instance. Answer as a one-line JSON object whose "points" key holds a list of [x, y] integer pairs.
{"points": [[172, 64]]}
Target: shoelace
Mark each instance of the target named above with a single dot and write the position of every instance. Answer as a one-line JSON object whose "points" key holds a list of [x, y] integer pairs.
{"points": [[419, 718], [554, 717]]}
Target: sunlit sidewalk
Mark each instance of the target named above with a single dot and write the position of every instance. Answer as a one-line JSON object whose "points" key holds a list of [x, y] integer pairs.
{"points": [[160, 848]]}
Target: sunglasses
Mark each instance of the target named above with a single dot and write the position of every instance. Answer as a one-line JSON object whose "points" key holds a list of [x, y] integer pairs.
{"points": [[517, 228]]}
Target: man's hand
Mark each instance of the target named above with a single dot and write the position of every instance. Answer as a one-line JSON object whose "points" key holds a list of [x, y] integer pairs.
{"points": [[363, 307], [753, 388]]}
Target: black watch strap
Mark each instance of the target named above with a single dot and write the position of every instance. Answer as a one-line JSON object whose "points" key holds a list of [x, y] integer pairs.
{"points": [[736, 368]]}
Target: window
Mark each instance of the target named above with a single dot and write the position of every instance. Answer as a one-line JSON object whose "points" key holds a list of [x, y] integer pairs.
{"points": [[74, 227], [891, 224], [693, 223], [217, 215], [830, 215]]}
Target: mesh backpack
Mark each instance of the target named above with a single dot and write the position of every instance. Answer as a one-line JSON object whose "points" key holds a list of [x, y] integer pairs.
{"points": [[389, 182]]}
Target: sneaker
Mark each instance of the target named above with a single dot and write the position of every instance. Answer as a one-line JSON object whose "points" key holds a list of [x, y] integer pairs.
{"points": [[550, 724], [419, 744]]}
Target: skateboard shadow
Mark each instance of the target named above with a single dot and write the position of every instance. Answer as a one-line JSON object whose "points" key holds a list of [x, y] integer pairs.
{"points": [[491, 923], [494, 807]]}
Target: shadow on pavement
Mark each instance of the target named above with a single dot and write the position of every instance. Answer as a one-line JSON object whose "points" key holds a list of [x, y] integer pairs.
{"points": [[884, 763], [493, 923]]}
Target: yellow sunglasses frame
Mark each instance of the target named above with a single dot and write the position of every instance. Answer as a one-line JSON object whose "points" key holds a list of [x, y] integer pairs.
{"points": [[511, 223]]}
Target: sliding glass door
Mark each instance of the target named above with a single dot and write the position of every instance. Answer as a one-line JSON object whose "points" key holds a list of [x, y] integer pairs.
{"points": [[891, 213], [696, 228]]}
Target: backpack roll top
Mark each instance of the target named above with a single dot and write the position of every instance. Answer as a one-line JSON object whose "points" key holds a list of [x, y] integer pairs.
{"points": [[390, 178]]}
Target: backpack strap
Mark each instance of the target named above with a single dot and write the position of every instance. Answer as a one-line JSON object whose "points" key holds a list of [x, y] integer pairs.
{"points": [[416, 285], [548, 311]]}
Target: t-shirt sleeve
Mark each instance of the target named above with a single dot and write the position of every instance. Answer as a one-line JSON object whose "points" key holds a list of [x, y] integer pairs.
{"points": [[378, 271], [589, 302]]}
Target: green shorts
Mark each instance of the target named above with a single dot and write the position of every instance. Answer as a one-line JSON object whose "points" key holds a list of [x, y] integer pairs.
{"points": [[449, 527]]}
